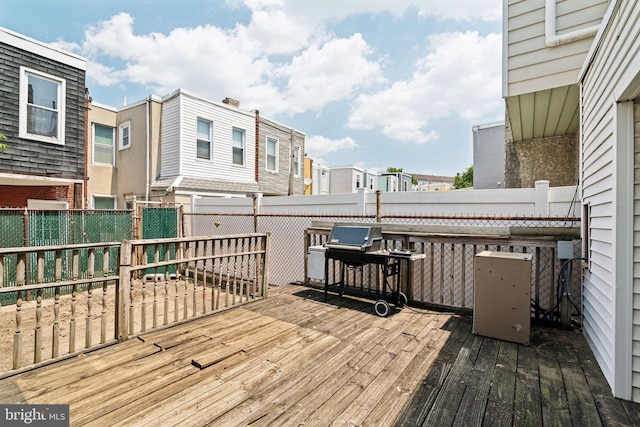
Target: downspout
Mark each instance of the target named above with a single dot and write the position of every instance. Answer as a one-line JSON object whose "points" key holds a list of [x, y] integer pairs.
{"points": [[552, 39], [291, 158], [257, 158], [148, 151], [88, 102]]}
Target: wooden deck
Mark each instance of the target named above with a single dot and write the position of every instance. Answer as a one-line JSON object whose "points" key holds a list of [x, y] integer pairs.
{"points": [[294, 359]]}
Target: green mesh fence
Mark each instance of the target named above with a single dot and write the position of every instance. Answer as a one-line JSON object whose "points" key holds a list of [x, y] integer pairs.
{"points": [[159, 223], [20, 228]]}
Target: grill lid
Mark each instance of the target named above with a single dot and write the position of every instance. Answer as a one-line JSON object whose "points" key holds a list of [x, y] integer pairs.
{"points": [[361, 238]]}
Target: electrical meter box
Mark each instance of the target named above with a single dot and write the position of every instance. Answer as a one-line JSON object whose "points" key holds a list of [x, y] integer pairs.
{"points": [[502, 296]]}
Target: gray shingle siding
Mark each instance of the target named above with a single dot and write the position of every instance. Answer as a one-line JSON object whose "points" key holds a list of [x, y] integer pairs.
{"points": [[34, 157], [278, 183]]}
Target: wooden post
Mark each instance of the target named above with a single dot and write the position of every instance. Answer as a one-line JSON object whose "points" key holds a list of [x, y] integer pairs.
{"points": [[27, 270], [123, 292], [255, 213], [307, 238], [378, 205], [265, 266]]}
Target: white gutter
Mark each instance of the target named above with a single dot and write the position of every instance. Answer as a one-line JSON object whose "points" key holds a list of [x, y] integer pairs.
{"points": [[552, 39]]}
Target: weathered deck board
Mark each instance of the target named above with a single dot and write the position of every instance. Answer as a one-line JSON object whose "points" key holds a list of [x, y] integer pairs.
{"points": [[295, 359]]}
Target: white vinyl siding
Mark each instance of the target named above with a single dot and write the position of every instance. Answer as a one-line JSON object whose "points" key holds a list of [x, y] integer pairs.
{"points": [[607, 177], [179, 139], [531, 65], [345, 180], [170, 154]]}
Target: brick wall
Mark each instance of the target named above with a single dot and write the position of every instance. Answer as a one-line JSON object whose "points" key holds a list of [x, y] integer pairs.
{"points": [[17, 196]]}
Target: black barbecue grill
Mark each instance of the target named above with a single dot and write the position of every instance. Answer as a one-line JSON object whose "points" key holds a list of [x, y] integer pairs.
{"points": [[357, 246]]}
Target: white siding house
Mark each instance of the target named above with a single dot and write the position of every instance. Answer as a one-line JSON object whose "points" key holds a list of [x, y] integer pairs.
{"points": [[545, 44], [320, 179], [610, 168], [208, 149], [345, 179], [585, 78]]}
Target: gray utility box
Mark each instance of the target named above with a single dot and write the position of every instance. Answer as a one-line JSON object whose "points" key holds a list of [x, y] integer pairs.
{"points": [[502, 296], [315, 262]]}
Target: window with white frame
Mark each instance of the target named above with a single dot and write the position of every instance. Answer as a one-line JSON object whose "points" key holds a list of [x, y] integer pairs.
{"points": [[238, 147], [124, 135], [203, 149], [42, 106], [103, 144], [272, 154], [104, 202], [296, 162], [357, 180]]}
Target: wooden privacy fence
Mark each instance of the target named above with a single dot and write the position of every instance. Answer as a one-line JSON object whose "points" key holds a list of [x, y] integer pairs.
{"points": [[73, 298], [445, 276]]}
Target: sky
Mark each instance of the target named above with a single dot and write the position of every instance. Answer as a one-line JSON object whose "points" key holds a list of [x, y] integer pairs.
{"points": [[371, 83]]}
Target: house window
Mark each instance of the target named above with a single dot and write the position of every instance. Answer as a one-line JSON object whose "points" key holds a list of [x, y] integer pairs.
{"points": [[124, 138], [42, 106], [103, 138], [104, 202], [238, 147], [203, 149], [296, 162], [357, 180], [371, 184], [272, 154]]}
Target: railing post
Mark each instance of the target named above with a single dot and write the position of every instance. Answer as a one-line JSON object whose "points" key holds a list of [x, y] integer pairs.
{"points": [[255, 212], [265, 266], [378, 205], [122, 293]]}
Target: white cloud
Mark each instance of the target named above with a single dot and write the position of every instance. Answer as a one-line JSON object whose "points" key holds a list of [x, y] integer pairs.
{"points": [[460, 76], [329, 73], [320, 11], [217, 63], [317, 146], [102, 74]]}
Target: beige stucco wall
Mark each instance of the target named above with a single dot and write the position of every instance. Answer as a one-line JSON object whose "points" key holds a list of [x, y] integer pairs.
{"points": [[132, 162], [102, 178]]}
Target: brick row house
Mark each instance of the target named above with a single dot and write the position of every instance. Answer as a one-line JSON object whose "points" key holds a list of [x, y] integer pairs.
{"points": [[66, 151]]}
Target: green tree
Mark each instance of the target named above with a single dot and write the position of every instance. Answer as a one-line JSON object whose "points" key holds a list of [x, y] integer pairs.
{"points": [[3, 145], [464, 180]]}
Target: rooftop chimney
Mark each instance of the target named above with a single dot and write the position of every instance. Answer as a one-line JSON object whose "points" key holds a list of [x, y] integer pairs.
{"points": [[232, 102]]}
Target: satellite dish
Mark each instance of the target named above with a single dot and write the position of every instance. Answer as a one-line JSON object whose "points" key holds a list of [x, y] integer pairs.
{"points": [[308, 181]]}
